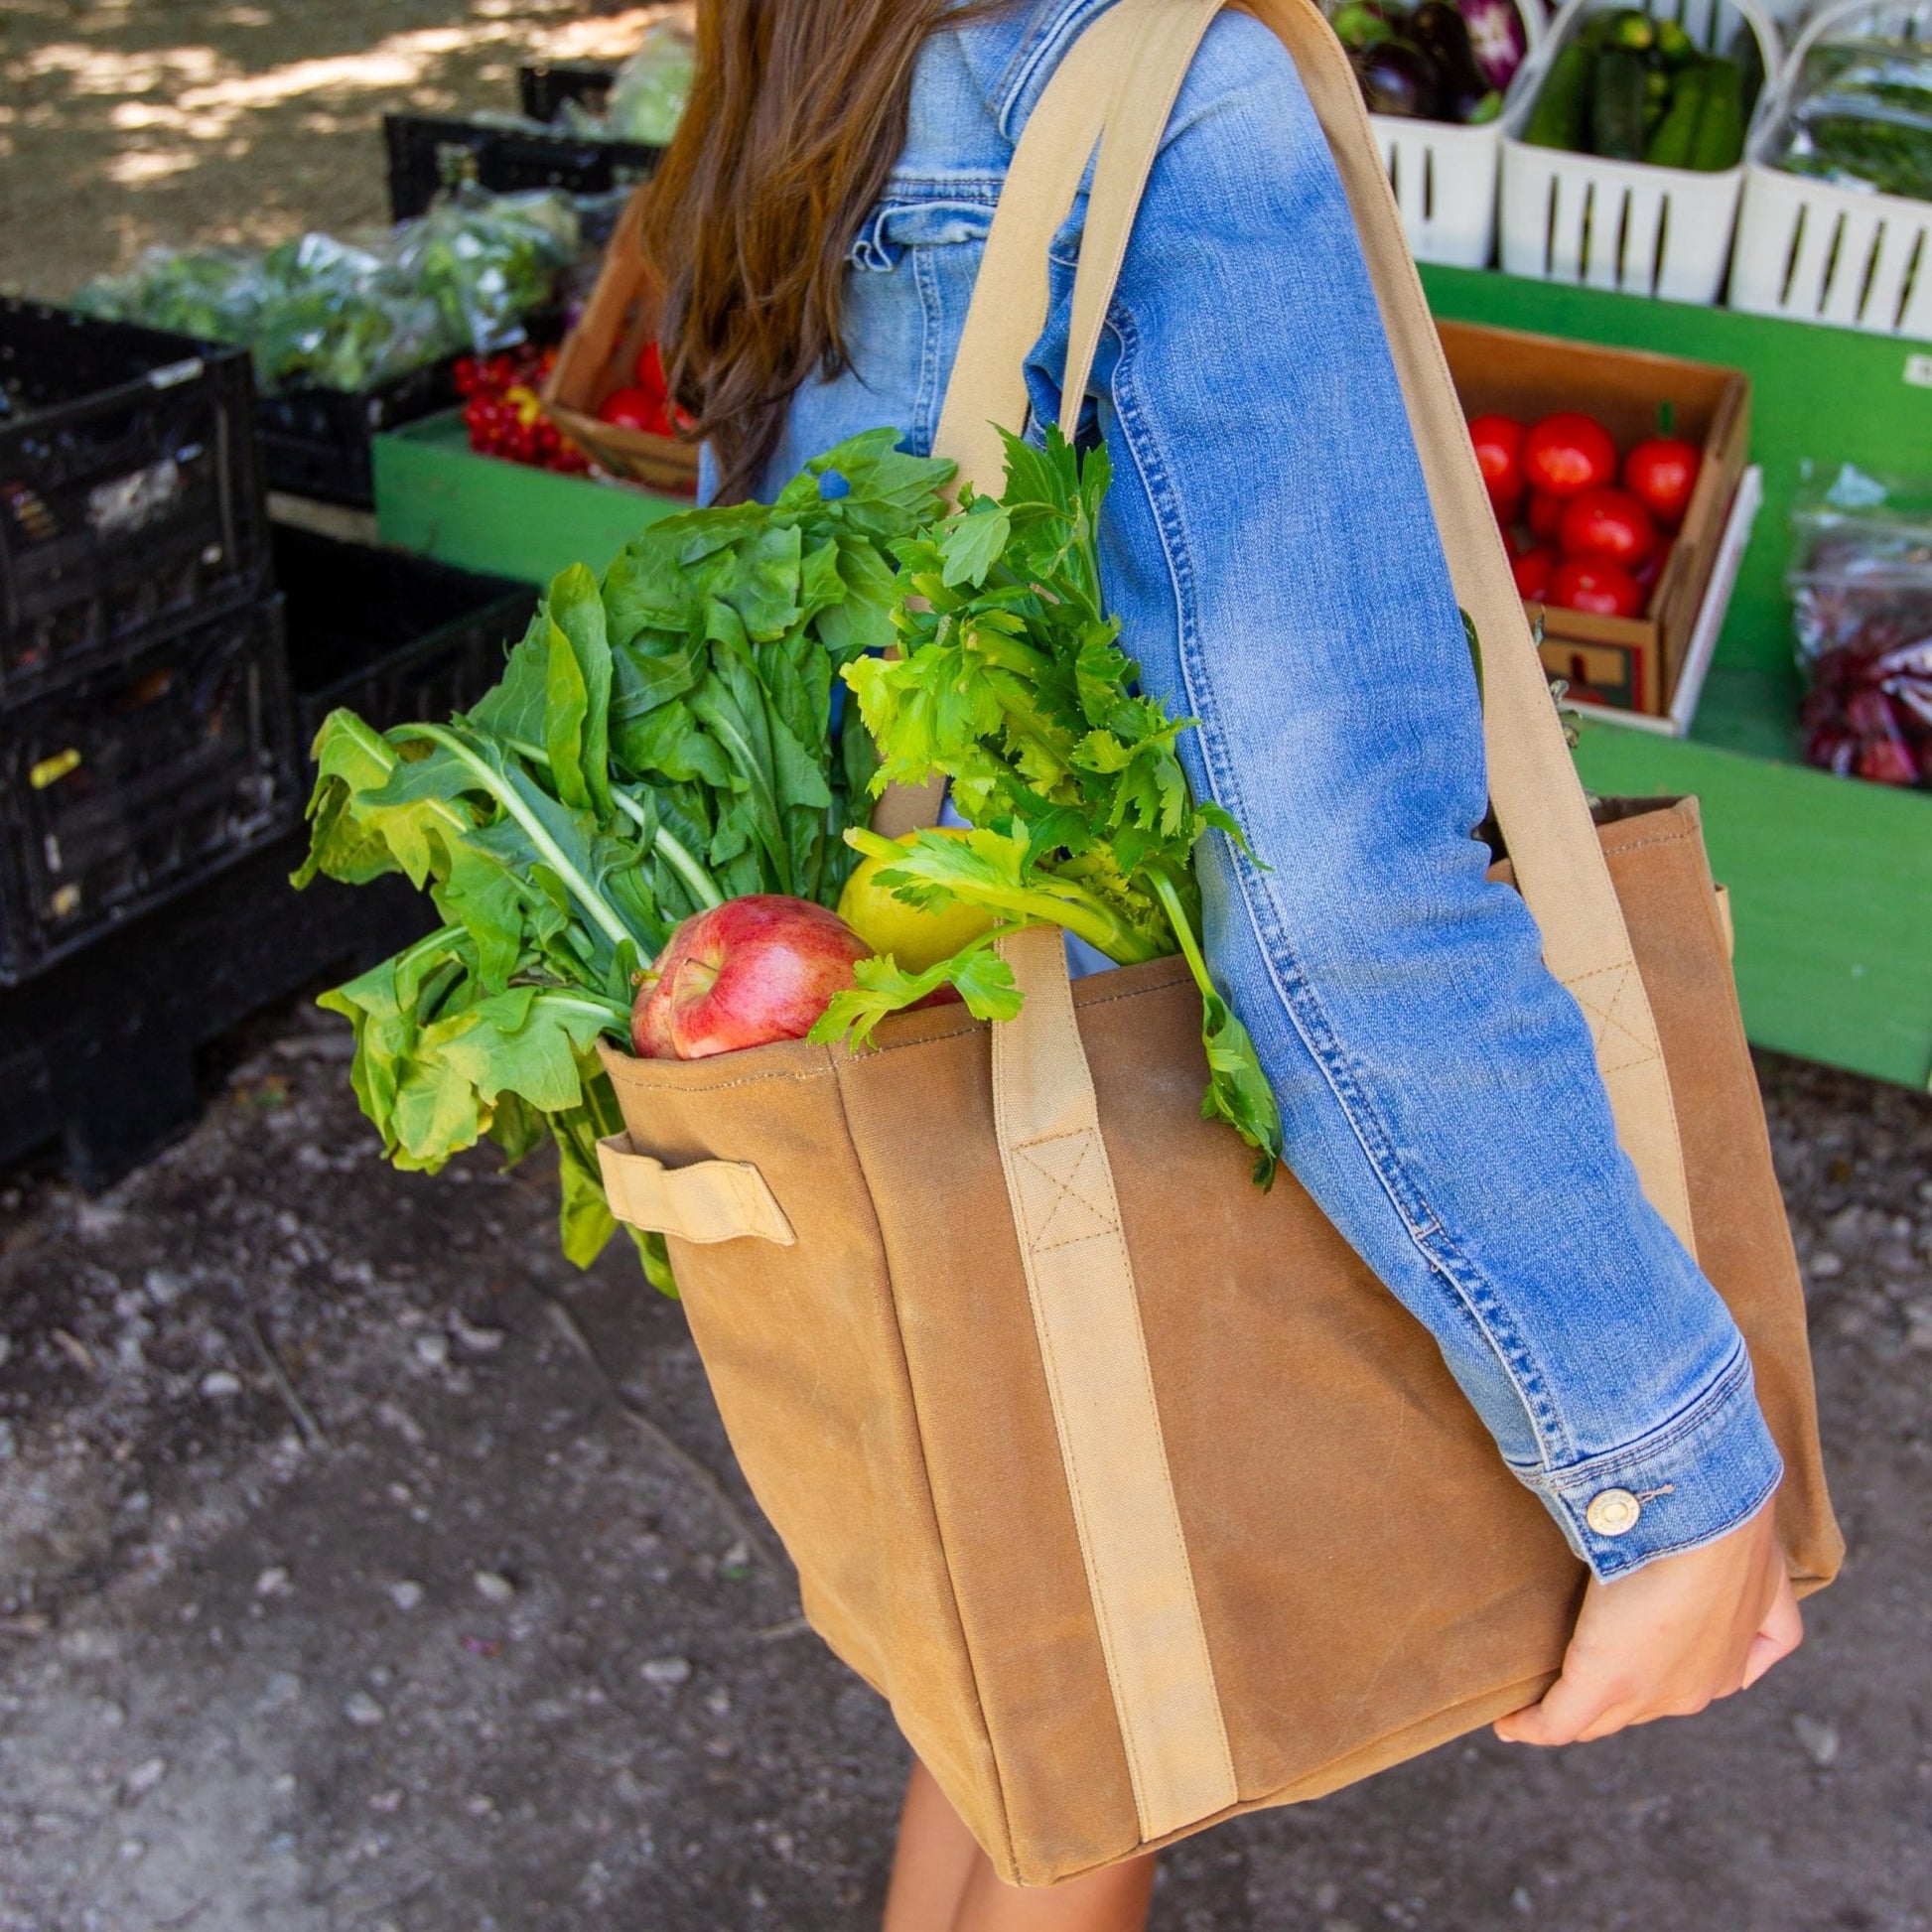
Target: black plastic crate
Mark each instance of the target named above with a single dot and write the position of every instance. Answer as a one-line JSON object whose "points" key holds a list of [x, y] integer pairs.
{"points": [[427, 153], [542, 86], [316, 442], [97, 1061], [130, 489], [121, 789], [392, 638]]}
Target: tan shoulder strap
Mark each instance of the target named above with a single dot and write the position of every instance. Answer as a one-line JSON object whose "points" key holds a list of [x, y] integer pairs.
{"points": [[987, 389], [1533, 783]]}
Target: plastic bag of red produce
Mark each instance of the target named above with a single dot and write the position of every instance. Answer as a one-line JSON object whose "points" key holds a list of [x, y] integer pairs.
{"points": [[1860, 583]]}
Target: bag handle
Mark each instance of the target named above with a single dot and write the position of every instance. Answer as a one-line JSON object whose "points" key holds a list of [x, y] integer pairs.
{"points": [[987, 389], [1538, 798]]}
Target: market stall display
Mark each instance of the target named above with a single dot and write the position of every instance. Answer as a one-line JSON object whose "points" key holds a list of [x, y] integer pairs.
{"points": [[584, 128], [131, 496], [1623, 145], [1835, 224], [1433, 77], [1862, 605], [641, 100], [1614, 475], [350, 336]]}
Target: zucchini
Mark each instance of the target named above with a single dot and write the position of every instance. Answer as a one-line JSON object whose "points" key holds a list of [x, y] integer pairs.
{"points": [[1720, 141], [1616, 106], [1676, 136], [1561, 116]]}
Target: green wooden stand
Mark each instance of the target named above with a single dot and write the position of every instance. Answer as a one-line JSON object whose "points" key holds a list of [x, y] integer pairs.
{"points": [[436, 497], [1831, 879]]}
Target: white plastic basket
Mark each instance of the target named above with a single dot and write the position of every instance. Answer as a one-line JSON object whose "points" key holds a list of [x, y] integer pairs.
{"points": [[1625, 225], [1445, 175], [1817, 252]]}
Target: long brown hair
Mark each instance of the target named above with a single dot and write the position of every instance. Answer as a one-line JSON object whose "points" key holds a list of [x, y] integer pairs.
{"points": [[796, 117]]}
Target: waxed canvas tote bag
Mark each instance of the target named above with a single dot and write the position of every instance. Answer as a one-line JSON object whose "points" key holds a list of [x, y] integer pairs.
{"points": [[1130, 1487]]}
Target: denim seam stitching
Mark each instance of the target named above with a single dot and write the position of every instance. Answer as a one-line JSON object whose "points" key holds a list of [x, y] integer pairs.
{"points": [[1047, 44], [1510, 1347], [921, 191], [1718, 1393], [925, 412]]}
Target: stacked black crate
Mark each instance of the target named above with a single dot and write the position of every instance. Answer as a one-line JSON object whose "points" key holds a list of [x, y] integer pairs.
{"points": [[147, 732]]}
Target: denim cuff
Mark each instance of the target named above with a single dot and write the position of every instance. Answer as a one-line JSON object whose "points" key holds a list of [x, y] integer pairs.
{"points": [[1704, 1473]]}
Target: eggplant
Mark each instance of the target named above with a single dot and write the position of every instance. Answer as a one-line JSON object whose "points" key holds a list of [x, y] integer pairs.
{"points": [[1496, 38], [1397, 77], [1439, 31]]}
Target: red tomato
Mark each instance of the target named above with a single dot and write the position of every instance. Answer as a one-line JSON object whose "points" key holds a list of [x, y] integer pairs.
{"points": [[1533, 570], [635, 409], [650, 370], [1544, 515], [1567, 453], [1661, 475], [1608, 523], [1590, 583], [1499, 448], [1654, 569]]}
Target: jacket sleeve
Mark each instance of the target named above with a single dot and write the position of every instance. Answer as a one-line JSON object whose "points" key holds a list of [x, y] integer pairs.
{"points": [[1269, 547]]}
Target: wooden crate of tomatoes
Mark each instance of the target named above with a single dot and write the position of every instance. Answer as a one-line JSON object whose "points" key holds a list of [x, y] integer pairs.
{"points": [[606, 392], [1612, 473]]}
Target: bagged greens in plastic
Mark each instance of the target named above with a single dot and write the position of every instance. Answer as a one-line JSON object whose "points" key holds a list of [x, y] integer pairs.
{"points": [[647, 96], [485, 261], [213, 293], [1861, 582], [1861, 116], [351, 314]]}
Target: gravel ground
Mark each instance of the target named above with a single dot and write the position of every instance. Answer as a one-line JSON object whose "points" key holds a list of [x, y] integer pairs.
{"points": [[363, 1569], [362, 1565]]}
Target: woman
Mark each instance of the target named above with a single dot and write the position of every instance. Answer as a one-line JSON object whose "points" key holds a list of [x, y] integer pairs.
{"points": [[1269, 546]]}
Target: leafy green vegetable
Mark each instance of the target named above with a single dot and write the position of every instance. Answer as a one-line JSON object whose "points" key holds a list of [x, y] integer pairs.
{"points": [[656, 742], [1013, 684], [346, 316]]}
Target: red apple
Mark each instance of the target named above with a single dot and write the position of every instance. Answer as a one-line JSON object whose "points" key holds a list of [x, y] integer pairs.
{"points": [[744, 974]]}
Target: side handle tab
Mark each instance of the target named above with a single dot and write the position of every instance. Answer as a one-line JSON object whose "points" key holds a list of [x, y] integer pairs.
{"points": [[708, 1202]]}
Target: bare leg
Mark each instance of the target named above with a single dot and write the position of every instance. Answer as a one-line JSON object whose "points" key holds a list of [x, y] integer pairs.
{"points": [[942, 1881], [934, 1860], [1113, 1900]]}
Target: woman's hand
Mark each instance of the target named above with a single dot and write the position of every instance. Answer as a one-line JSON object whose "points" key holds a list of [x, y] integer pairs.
{"points": [[1666, 1641]]}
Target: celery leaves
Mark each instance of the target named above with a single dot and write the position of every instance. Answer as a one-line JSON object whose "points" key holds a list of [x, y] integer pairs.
{"points": [[1012, 683]]}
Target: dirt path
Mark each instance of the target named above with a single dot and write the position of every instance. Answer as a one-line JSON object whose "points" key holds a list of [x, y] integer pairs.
{"points": [[128, 122], [485, 1634]]}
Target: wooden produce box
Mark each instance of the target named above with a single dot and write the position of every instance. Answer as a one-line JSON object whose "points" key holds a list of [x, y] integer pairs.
{"points": [[1628, 663], [600, 357]]}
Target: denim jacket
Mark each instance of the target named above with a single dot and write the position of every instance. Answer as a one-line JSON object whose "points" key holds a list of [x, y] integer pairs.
{"points": [[1269, 547]]}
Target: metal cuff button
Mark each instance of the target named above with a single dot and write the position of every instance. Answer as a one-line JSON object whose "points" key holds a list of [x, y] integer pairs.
{"points": [[1612, 1511]]}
